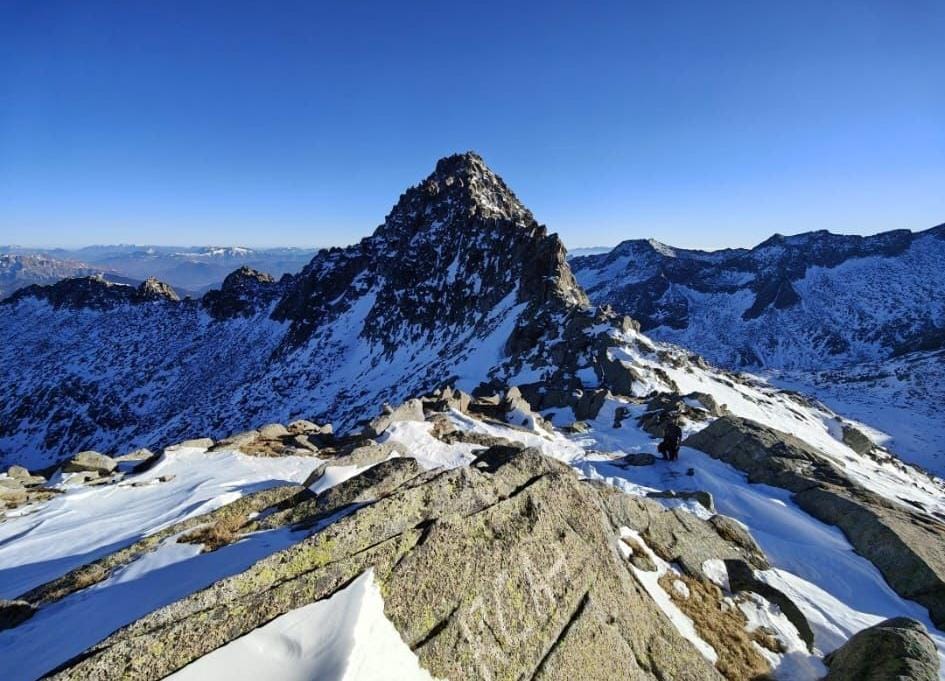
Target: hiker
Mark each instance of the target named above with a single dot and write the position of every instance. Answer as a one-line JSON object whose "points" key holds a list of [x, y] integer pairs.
{"points": [[672, 438]]}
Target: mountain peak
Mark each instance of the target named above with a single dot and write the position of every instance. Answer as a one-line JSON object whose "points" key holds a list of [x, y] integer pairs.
{"points": [[457, 164], [454, 248], [460, 184]]}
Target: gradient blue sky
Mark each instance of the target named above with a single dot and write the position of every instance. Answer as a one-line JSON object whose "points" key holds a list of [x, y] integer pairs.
{"points": [[702, 124]]}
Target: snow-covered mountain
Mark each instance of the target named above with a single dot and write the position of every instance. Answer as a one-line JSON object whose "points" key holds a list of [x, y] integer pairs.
{"points": [[811, 301], [459, 283], [857, 321]]}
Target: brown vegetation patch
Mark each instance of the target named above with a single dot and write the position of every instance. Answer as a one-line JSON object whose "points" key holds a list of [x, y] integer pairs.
{"points": [[720, 625], [224, 531]]}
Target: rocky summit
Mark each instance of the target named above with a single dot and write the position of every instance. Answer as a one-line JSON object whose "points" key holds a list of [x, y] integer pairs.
{"points": [[457, 285], [428, 455]]}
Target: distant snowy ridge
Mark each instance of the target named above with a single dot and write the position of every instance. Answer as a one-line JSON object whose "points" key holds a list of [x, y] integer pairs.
{"points": [[811, 301], [856, 321]]}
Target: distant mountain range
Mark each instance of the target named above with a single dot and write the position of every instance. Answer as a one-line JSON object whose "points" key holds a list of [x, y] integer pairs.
{"points": [[190, 270], [20, 270], [858, 321]]}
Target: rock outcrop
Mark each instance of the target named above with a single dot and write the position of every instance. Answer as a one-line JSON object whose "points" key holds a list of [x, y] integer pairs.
{"points": [[243, 293], [90, 461], [507, 568], [894, 650], [907, 546]]}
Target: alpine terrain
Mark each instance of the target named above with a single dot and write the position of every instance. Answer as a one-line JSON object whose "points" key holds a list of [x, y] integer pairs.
{"points": [[188, 269], [857, 321], [19, 271], [429, 455]]}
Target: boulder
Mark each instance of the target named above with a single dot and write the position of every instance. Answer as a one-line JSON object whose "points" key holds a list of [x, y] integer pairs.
{"points": [[619, 376], [897, 649], [449, 398], [518, 411], [142, 454], [90, 461], [303, 427], [588, 403], [273, 431], [196, 443], [18, 472], [12, 492], [665, 408], [237, 440], [411, 410], [369, 454], [303, 442], [24, 477], [855, 439], [641, 459]]}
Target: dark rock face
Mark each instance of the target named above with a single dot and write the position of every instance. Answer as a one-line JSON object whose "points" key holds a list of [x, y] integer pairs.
{"points": [[452, 250], [244, 292], [907, 547], [14, 613], [894, 650], [806, 301]]}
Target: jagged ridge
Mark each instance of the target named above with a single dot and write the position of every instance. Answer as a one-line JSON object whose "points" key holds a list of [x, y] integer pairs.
{"points": [[459, 284]]}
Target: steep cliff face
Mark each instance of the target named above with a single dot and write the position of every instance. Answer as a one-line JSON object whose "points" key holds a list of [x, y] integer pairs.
{"points": [[458, 268]]}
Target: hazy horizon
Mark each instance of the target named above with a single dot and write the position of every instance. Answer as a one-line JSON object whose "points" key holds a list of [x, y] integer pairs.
{"points": [[569, 247]]}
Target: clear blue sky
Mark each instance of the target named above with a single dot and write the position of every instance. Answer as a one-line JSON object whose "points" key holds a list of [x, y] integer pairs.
{"points": [[702, 124]]}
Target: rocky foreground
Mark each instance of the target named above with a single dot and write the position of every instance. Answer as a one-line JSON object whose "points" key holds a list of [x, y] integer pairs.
{"points": [[510, 566]]}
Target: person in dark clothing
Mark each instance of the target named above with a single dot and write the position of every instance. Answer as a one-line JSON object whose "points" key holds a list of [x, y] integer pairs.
{"points": [[672, 439]]}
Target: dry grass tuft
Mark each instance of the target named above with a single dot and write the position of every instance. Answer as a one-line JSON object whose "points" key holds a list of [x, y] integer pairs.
{"points": [[88, 576], [223, 532], [721, 626]]}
